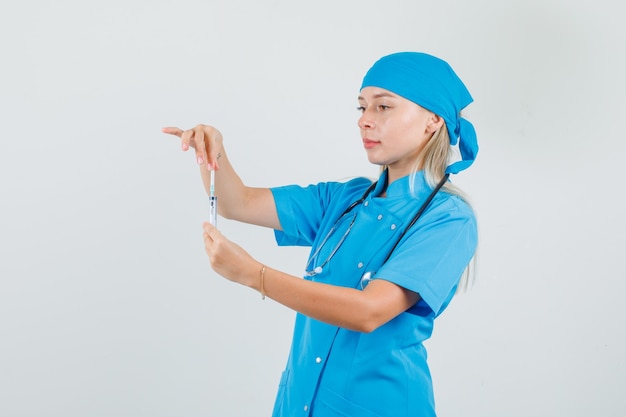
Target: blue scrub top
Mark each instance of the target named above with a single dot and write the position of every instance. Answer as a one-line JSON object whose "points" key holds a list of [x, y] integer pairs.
{"points": [[333, 371]]}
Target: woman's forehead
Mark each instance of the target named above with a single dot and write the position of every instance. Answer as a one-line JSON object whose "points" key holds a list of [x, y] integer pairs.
{"points": [[372, 93]]}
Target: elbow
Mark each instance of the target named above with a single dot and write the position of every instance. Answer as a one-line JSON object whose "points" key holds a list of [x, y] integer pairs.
{"points": [[367, 327], [226, 214], [373, 314], [230, 211], [237, 206], [369, 322]]}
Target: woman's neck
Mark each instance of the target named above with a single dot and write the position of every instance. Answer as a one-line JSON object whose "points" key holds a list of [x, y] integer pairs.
{"points": [[394, 173]]}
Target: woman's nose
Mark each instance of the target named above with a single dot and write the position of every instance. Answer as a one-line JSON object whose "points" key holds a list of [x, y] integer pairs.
{"points": [[365, 122]]}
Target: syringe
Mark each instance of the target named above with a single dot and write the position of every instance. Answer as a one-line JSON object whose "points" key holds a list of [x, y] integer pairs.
{"points": [[212, 200]]}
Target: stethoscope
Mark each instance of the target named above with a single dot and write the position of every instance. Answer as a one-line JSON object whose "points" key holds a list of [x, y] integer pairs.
{"points": [[368, 275]]}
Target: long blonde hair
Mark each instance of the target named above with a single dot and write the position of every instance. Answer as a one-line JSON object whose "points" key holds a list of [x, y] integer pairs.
{"points": [[434, 159]]}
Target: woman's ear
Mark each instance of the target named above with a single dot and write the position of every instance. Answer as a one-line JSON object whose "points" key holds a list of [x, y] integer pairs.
{"points": [[434, 123]]}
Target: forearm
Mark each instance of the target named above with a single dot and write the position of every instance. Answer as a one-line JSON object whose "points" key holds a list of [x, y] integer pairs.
{"points": [[228, 185], [237, 201], [339, 306], [349, 308]]}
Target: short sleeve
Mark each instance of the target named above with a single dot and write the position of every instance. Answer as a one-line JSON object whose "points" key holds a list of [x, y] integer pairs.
{"points": [[303, 211], [432, 257]]}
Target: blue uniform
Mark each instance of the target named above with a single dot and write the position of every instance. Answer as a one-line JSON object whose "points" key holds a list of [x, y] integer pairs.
{"points": [[333, 371]]}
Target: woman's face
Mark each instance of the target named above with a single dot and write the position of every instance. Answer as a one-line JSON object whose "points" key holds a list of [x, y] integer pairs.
{"points": [[394, 130]]}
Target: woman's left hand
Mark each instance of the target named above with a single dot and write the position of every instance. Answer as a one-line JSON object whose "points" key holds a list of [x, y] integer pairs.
{"points": [[229, 259]]}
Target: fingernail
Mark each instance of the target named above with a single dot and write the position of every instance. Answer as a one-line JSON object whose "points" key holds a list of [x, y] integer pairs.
{"points": [[185, 147], [200, 160], [210, 166]]}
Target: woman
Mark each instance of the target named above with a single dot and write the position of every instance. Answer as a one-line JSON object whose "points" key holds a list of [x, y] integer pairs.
{"points": [[386, 258]]}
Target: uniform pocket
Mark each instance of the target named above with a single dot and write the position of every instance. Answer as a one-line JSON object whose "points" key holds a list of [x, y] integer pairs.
{"points": [[331, 404]]}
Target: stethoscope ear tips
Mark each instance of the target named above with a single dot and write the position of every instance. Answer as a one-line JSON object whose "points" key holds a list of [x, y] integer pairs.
{"points": [[318, 270]]}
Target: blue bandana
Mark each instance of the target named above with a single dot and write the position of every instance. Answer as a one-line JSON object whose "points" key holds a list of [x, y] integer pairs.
{"points": [[432, 84]]}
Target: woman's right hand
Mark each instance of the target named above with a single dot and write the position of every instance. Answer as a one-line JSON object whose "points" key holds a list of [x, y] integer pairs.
{"points": [[254, 205], [205, 140]]}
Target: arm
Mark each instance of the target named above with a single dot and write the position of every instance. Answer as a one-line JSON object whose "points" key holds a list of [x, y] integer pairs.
{"points": [[236, 200], [349, 308], [362, 311]]}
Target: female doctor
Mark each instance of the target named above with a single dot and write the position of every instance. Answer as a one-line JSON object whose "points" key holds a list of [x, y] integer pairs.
{"points": [[386, 257]]}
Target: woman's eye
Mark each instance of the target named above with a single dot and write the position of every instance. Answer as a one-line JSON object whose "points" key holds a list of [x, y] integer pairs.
{"points": [[383, 107], [361, 109]]}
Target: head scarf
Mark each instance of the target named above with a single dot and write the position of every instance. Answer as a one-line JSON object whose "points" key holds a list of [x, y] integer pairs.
{"points": [[432, 84]]}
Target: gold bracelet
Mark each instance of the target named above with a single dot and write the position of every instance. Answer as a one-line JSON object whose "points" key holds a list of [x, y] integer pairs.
{"points": [[262, 282]]}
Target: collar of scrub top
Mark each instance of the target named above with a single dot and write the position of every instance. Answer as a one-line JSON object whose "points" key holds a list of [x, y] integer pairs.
{"points": [[432, 84], [373, 190], [378, 189]]}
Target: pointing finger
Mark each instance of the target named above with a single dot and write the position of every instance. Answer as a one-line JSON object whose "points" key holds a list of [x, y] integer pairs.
{"points": [[172, 131]]}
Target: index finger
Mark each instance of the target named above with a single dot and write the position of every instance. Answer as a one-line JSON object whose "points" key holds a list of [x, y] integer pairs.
{"points": [[175, 131], [172, 131]]}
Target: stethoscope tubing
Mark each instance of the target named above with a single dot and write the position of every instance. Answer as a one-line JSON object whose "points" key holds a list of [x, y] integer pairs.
{"points": [[414, 219]]}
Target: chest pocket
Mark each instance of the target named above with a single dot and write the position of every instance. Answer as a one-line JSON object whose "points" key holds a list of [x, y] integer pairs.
{"points": [[365, 245]]}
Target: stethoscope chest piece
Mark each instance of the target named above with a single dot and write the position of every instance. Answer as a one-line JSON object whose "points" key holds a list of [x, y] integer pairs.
{"points": [[365, 279]]}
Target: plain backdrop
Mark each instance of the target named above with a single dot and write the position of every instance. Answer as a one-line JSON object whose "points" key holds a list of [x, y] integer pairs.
{"points": [[108, 305]]}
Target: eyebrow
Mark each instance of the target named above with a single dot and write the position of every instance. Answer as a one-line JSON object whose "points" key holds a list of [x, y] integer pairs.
{"points": [[379, 95]]}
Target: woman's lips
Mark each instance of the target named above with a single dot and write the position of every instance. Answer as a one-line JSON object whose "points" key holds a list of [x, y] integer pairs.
{"points": [[369, 143]]}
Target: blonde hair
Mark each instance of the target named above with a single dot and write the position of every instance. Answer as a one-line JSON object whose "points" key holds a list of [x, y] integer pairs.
{"points": [[434, 159]]}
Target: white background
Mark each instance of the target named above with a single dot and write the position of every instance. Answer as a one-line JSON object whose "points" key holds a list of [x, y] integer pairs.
{"points": [[108, 306]]}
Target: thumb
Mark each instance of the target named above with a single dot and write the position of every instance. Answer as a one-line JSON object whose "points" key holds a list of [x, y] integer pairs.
{"points": [[210, 230]]}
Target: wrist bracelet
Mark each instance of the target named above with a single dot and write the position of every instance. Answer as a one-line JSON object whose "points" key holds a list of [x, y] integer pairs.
{"points": [[262, 289]]}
